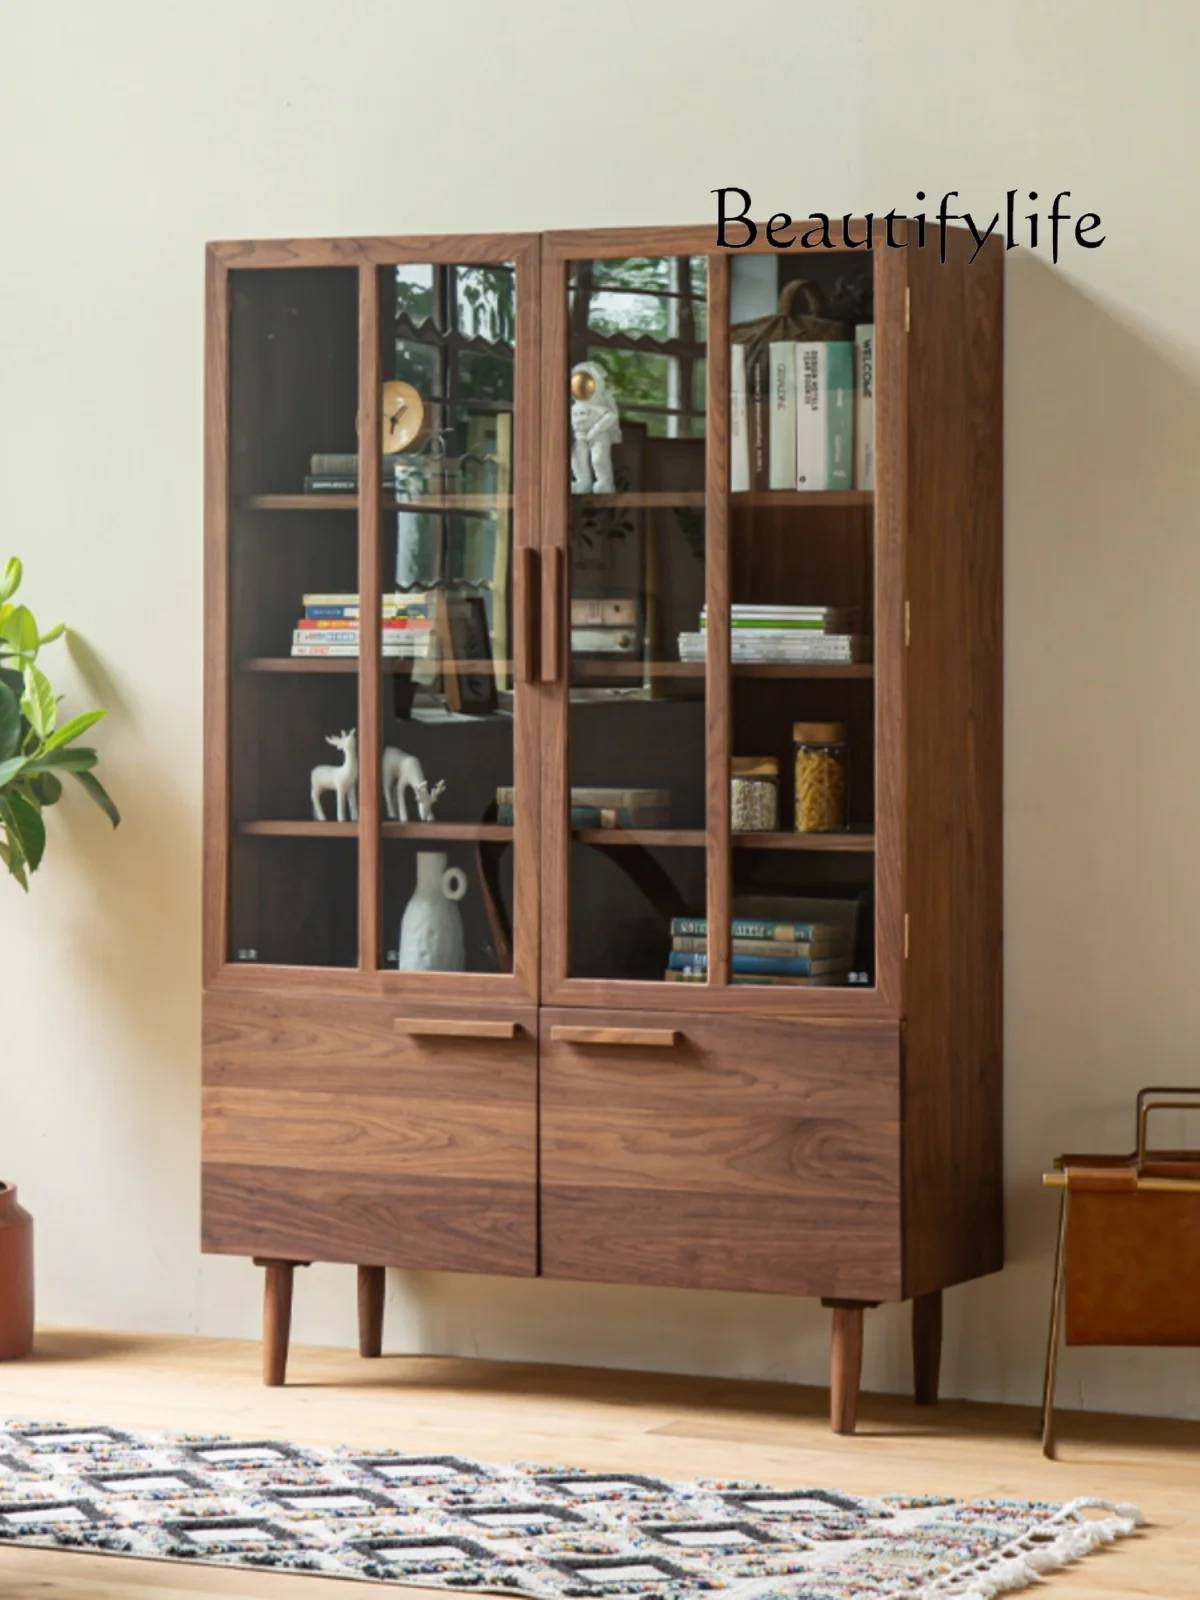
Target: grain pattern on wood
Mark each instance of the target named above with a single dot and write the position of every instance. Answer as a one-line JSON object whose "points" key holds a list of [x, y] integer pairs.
{"points": [[927, 1347], [277, 1319], [379, 251], [455, 1028], [845, 1367], [216, 615], [426, 1224], [372, 1291], [370, 591], [755, 1155], [572, 1033], [328, 1135], [954, 735], [718, 709]]}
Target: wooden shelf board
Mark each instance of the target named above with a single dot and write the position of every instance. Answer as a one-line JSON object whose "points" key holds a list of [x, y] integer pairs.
{"points": [[585, 673], [693, 838], [447, 830], [350, 664], [349, 502], [774, 498], [310, 829], [646, 499], [860, 842]]}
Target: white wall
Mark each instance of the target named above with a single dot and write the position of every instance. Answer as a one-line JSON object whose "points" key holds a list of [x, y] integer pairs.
{"points": [[134, 130]]}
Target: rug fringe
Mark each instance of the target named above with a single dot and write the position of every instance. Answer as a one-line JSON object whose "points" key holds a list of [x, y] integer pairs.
{"points": [[1025, 1560]]}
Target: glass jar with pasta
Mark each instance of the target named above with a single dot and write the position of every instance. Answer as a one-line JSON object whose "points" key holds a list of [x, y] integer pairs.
{"points": [[820, 776]]}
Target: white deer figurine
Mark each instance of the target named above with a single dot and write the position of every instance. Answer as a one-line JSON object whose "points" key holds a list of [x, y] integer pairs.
{"points": [[400, 772], [342, 780]]}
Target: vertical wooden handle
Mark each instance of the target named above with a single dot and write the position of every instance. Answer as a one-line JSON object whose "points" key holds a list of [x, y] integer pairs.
{"points": [[552, 614], [530, 600]]}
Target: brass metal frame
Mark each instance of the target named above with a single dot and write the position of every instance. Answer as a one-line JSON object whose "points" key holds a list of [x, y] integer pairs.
{"points": [[1146, 1103]]}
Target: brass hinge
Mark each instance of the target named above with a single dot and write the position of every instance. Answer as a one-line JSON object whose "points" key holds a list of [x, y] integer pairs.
{"points": [[906, 936], [907, 623], [907, 308]]}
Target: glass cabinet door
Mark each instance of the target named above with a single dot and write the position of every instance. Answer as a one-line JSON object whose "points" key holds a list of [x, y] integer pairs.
{"points": [[292, 627], [451, 603], [635, 554]]}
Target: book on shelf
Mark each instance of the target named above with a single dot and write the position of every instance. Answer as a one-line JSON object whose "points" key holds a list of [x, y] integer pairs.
{"points": [[781, 442], [824, 934], [758, 416], [839, 414], [415, 648], [604, 817], [788, 966], [389, 624], [811, 405], [864, 405], [697, 944], [390, 632], [781, 648], [825, 981], [813, 619], [739, 421], [394, 599]]}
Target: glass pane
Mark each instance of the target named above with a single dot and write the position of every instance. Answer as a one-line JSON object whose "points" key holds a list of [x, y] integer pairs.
{"points": [[448, 359], [803, 582], [293, 623], [636, 757]]}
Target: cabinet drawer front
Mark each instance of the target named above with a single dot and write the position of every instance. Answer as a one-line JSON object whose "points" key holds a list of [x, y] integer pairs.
{"points": [[750, 1154], [330, 1135]]}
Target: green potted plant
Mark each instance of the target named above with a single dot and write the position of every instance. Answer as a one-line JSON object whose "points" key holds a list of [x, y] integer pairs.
{"points": [[36, 752]]}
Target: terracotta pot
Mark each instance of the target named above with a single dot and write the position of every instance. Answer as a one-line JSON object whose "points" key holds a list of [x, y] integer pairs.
{"points": [[16, 1276]]}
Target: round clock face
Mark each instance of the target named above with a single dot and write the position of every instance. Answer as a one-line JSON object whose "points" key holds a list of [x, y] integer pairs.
{"points": [[403, 416]]}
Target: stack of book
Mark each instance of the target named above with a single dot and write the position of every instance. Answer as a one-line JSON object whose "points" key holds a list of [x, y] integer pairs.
{"points": [[604, 808], [764, 952], [781, 633], [329, 626], [804, 416]]}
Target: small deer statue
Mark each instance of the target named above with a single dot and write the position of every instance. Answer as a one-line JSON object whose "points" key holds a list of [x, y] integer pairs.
{"points": [[400, 772], [342, 780]]}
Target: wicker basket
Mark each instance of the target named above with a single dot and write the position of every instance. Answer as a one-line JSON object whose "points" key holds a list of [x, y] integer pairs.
{"points": [[785, 323]]}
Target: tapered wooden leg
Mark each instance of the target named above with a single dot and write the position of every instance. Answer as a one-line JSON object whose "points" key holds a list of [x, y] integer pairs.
{"points": [[277, 1318], [845, 1363], [927, 1346], [372, 1282]]}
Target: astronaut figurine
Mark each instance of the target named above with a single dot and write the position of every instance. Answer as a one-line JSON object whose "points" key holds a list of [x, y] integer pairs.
{"points": [[595, 428]]}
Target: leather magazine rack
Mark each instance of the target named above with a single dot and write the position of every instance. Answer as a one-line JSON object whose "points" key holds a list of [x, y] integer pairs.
{"points": [[1127, 1270]]}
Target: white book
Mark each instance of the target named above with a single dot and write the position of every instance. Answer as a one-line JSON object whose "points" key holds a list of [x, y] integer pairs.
{"points": [[782, 400], [739, 421], [811, 442], [864, 405]]}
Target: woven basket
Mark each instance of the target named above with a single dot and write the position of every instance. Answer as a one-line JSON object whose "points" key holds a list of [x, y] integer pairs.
{"points": [[810, 325]]}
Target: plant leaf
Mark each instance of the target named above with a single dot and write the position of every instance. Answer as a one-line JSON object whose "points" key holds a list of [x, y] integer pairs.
{"points": [[10, 723], [55, 633], [72, 729], [19, 632], [38, 702], [46, 789], [10, 768], [10, 854], [81, 759], [23, 821], [10, 581], [100, 795]]}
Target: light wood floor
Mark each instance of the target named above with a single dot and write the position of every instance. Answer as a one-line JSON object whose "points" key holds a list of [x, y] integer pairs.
{"points": [[677, 1427]]}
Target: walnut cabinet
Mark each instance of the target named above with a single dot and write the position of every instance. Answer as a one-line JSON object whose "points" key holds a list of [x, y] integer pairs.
{"points": [[450, 1031]]}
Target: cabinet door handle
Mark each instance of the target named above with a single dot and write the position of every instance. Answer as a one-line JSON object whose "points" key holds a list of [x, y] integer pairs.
{"points": [[552, 611], [528, 638], [562, 1033], [454, 1028]]}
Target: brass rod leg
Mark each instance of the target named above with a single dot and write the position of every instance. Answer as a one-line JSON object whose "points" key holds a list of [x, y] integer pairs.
{"points": [[372, 1284], [1060, 1264]]}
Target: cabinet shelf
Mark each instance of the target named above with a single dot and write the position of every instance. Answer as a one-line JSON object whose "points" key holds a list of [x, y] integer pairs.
{"points": [[351, 664], [589, 672], [479, 504], [695, 498], [694, 838], [312, 829]]}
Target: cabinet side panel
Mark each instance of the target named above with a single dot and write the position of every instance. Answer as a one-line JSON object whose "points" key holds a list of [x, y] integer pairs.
{"points": [[953, 1076]]}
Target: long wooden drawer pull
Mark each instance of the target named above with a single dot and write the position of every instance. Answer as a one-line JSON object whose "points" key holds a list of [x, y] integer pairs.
{"points": [[562, 1033], [454, 1028]]}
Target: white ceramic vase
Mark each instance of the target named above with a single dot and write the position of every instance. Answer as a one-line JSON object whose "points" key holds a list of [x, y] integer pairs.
{"points": [[431, 930]]}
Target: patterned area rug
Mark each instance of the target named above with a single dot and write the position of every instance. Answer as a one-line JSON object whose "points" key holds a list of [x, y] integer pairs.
{"points": [[544, 1531]]}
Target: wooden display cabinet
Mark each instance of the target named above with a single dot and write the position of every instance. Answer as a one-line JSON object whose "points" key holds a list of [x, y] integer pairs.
{"points": [[553, 1106]]}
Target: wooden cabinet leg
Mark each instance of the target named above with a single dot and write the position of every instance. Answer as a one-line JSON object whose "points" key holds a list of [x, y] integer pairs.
{"points": [[927, 1346], [845, 1363], [277, 1318], [372, 1283]]}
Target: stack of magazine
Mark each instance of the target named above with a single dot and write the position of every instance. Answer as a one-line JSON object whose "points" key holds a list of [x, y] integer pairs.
{"points": [[781, 633], [603, 808]]}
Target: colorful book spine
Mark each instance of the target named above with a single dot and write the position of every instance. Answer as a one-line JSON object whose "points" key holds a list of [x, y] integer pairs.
{"points": [[839, 406], [327, 483], [827, 981], [782, 438], [697, 944], [333, 624], [764, 966], [418, 647], [864, 406], [739, 421], [758, 412], [810, 417], [753, 928]]}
